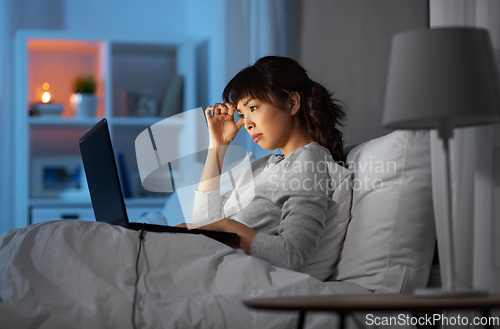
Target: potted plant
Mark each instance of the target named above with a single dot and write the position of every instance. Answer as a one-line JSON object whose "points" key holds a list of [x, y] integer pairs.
{"points": [[84, 99]]}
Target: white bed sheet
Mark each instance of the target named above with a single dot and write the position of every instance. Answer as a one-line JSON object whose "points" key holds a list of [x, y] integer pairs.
{"points": [[80, 274]]}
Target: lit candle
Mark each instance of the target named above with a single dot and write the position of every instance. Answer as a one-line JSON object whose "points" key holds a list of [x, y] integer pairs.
{"points": [[46, 94]]}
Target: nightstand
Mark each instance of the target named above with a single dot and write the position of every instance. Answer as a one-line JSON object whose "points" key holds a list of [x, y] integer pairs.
{"points": [[346, 304]]}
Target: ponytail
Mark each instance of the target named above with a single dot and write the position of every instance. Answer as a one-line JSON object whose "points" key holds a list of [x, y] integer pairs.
{"points": [[321, 116]]}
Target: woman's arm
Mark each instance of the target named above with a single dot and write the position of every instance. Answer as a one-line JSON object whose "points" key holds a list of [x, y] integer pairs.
{"points": [[222, 130], [210, 178], [301, 201], [302, 224], [245, 233]]}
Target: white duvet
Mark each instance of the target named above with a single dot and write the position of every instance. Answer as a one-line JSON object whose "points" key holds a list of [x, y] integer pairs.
{"points": [[75, 274]]}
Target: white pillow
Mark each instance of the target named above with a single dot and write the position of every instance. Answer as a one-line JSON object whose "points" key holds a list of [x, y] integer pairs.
{"points": [[390, 239]]}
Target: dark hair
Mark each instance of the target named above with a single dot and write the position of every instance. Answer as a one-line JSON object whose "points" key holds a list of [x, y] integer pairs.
{"points": [[272, 79]]}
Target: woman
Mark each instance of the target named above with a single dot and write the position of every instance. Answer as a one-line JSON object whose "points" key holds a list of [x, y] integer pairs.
{"points": [[280, 107]]}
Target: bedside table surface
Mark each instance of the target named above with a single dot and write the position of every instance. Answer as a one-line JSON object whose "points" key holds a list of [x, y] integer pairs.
{"points": [[372, 302]]}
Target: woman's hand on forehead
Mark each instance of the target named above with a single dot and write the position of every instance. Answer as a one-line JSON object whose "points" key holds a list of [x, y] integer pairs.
{"points": [[221, 125]]}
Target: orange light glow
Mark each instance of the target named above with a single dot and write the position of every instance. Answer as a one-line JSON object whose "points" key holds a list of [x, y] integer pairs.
{"points": [[45, 86], [46, 97]]}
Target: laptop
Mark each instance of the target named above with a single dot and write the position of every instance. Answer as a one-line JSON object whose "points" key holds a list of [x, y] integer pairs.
{"points": [[105, 190]]}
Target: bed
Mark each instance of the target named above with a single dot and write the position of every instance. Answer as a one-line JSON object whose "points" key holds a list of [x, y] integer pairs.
{"points": [[79, 274]]}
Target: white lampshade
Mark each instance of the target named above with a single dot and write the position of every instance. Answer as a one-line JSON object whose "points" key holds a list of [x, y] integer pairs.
{"points": [[442, 78], [444, 74]]}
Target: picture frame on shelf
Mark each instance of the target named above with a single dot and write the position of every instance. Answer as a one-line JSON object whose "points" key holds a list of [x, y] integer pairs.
{"points": [[59, 177], [138, 103], [172, 100]]}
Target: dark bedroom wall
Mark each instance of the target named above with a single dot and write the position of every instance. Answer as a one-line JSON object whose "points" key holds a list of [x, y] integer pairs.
{"points": [[346, 46]]}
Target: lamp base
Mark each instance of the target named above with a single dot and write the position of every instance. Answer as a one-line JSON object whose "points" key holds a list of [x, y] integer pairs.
{"points": [[445, 293]]}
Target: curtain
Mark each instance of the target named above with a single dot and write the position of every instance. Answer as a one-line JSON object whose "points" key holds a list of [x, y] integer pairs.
{"points": [[475, 158], [256, 28]]}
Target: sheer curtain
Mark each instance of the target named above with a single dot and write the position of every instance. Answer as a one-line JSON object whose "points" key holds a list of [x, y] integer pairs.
{"points": [[256, 28], [475, 154], [241, 31]]}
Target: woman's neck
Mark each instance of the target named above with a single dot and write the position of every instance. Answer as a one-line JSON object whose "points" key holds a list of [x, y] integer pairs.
{"points": [[296, 141]]}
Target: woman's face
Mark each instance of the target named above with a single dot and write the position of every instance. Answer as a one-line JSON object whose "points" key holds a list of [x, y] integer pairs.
{"points": [[268, 126]]}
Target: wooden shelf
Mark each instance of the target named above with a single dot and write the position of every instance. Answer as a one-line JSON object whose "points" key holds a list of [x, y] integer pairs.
{"points": [[62, 121], [138, 121], [129, 202]]}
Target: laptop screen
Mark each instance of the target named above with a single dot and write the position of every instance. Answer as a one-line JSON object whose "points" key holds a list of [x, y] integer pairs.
{"points": [[102, 175]]}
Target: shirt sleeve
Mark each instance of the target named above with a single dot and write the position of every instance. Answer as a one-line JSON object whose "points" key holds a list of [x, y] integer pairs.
{"points": [[207, 206]]}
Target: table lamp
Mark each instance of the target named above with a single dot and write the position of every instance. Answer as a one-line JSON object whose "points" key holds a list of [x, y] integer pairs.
{"points": [[440, 79]]}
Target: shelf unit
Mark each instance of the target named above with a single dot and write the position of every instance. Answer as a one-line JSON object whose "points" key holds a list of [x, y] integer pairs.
{"points": [[119, 65]]}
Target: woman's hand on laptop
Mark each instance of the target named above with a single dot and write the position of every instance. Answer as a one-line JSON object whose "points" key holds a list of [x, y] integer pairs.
{"points": [[245, 233]]}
